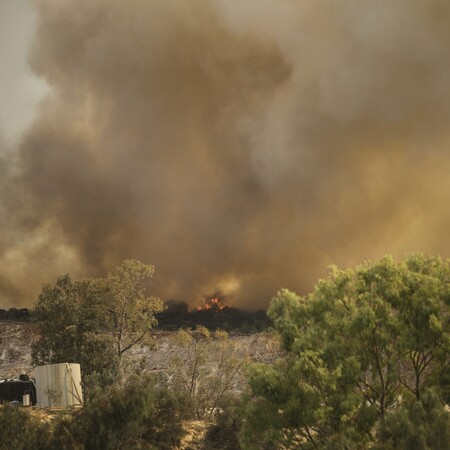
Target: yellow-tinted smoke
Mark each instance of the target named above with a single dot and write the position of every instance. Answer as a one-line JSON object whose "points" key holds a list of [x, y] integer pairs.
{"points": [[241, 146]]}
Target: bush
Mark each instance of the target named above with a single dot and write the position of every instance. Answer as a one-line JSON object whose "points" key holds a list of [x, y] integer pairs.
{"points": [[139, 415], [206, 371], [19, 430], [223, 434]]}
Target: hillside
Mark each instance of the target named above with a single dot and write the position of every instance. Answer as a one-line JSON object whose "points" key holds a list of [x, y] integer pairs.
{"points": [[16, 340], [15, 358], [15, 348]]}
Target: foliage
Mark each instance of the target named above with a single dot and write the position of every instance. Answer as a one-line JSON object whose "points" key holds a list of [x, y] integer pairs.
{"points": [[131, 314], [223, 434], [368, 352], [71, 318], [138, 415], [206, 371], [95, 321], [19, 430], [15, 315], [419, 425]]}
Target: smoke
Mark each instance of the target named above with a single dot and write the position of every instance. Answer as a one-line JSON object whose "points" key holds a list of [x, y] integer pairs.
{"points": [[240, 146]]}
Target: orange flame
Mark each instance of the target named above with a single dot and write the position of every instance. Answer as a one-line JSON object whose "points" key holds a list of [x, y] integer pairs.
{"points": [[214, 303]]}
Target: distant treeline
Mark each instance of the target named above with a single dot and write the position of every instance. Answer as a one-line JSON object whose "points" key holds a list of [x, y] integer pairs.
{"points": [[177, 315], [15, 315]]}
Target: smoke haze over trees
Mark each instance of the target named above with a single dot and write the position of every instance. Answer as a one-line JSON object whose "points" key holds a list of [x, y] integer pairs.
{"points": [[238, 146]]}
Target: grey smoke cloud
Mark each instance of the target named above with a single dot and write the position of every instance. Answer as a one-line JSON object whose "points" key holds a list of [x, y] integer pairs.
{"points": [[240, 146], [19, 89]]}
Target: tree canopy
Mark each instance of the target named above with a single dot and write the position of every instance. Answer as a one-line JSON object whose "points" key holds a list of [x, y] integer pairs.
{"points": [[367, 362], [94, 322], [130, 312], [72, 322]]}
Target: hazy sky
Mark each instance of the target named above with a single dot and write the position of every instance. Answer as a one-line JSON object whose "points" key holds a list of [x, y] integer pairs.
{"points": [[240, 146], [20, 90]]}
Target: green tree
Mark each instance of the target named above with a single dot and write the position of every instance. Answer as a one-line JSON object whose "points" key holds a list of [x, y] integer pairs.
{"points": [[419, 425], [72, 321], [361, 349], [94, 322], [131, 314]]}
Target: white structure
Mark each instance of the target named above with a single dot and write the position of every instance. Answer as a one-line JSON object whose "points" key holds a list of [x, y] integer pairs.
{"points": [[58, 385], [26, 399]]}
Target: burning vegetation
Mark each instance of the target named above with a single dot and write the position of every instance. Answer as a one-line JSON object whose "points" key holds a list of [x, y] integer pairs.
{"points": [[214, 303], [213, 314]]}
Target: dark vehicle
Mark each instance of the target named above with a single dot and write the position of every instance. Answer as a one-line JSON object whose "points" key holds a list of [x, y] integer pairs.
{"points": [[14, 389]]}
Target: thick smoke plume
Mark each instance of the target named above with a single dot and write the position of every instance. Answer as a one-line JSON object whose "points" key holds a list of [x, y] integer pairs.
{"points": [[239, 146]]}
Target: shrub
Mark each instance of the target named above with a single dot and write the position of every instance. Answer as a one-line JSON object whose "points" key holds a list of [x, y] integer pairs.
{"points": [[19, 430], [139, 415]]}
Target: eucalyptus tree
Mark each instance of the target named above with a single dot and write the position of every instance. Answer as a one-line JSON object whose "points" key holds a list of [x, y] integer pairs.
{"points": [[94, 322], [72, 323], [367, 357], [129, 310]]}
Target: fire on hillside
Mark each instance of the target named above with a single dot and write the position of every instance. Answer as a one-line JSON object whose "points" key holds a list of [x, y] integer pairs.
{"points": [[215, 303]]}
